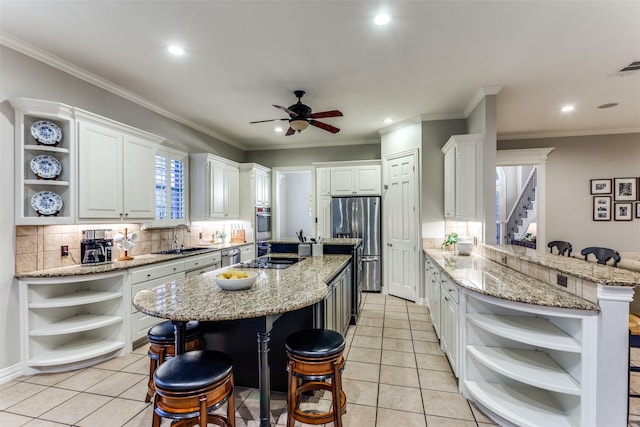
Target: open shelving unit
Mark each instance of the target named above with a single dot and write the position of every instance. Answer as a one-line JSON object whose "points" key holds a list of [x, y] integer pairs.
{"points": [[530, 365], [72, 321], [27, 112]]}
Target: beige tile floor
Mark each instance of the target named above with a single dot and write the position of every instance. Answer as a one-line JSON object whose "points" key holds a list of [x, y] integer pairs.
{"points": [[395, 375]]}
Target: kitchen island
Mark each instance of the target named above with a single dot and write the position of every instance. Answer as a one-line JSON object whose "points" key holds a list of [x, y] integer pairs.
{"points": [[279, 302], [535, 339]]}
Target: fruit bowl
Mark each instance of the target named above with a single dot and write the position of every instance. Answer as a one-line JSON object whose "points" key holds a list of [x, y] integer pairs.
{"points": [[236, 280]]}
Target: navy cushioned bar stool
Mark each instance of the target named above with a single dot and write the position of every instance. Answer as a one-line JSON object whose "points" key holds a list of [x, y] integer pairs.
{"points": [[162, 346], [191, 384], [315, 356]]}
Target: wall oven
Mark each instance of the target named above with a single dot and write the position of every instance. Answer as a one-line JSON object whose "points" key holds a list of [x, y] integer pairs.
{"points": [[263, 229]]}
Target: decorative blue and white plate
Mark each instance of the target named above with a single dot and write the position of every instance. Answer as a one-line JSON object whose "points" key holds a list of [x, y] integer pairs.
{"points": [[46, 203], [46, 132], [46, 167]]}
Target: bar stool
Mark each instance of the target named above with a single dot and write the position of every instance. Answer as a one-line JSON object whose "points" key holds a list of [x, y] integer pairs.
{"points": [[191, 384], [162, 346], [315, 355]]}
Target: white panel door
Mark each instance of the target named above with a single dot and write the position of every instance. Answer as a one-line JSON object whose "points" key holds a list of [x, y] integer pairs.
{"points": [[99, 171], [401, 227], [139, 177]]}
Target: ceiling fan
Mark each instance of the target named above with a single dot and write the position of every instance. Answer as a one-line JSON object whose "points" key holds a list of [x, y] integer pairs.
{"points": [[300, 116]]}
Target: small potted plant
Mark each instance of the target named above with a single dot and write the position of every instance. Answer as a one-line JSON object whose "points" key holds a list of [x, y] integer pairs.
{"points": [[449, 241]]}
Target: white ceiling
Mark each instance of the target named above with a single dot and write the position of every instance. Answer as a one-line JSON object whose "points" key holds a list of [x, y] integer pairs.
{"points": [[432, 61]]}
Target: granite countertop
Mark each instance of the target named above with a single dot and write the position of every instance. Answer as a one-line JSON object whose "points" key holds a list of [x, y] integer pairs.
{"points": [[137, 261], [275, 291], [594, 272], [325, 241], [490, 278]]}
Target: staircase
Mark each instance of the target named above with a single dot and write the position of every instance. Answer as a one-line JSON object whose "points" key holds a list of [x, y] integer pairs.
{"points": [[525, 210]]}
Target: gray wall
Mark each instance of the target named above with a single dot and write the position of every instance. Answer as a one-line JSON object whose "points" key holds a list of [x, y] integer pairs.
{"points": [[308, 156], [574, 162], [435, 134], [23, 76]]}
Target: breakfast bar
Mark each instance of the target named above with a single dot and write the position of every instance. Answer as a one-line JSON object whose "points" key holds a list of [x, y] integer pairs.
{"points": [[275, 292], [534, 338]]}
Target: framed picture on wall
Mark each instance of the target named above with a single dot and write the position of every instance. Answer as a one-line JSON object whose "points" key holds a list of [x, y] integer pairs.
{"points": [[622, 211], [602, 208], [601, 186], [637, 210], [625, 189]]}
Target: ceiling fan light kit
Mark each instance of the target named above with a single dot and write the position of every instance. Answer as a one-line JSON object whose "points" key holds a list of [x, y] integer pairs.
{"points": [[300, 116]]}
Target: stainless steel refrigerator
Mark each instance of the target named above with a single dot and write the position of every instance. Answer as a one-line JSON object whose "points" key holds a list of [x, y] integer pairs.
{"points": [[359, 217]]}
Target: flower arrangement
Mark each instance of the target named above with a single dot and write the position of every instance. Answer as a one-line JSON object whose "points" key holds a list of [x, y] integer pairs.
{"points": [[449, 240]]}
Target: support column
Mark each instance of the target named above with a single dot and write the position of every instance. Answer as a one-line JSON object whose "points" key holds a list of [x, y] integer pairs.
{"points": [[613, 355]]}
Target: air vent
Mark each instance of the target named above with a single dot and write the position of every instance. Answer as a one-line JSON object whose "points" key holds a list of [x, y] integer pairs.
{"points": [[634, 66]]}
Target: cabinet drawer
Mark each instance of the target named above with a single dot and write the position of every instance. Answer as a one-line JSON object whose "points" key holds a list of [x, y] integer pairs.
{"points": [[156, 271], [151, 283], [140, 324], [451, 289], [202, 270], [199, 261]]}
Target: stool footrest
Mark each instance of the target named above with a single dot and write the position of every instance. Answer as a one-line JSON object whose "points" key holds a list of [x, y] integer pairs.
{"points": [[322, 417]]}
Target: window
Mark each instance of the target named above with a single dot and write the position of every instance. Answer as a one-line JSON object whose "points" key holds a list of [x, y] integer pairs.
{"points": [[171, 187]]}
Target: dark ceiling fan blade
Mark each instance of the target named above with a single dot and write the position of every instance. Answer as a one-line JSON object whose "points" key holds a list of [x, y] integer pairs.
{"points": [[264, 121], [291, 131], [286, 110], [325, 114], [324, 126]]}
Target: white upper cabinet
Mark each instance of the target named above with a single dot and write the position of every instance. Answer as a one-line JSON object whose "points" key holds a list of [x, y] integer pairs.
{"points": [[340, 179], [53, 159], [362, 180], [215, 186], [255, 187], [116, 170], [463, 177], [323, 181]]}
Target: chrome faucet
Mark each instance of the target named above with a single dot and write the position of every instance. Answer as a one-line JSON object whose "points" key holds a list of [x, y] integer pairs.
{"points": [[174, 243]]}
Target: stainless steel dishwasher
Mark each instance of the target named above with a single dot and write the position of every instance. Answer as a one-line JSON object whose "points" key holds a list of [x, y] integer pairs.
{"points": [[230, 257]]}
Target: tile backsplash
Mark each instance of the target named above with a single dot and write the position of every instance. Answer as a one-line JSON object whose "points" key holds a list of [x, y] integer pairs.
{"points": [[38, 247]]}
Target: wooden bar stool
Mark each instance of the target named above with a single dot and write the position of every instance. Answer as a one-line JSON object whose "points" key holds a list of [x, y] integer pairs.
{"points": [[191, 384], [162, 346], [315, 356]]}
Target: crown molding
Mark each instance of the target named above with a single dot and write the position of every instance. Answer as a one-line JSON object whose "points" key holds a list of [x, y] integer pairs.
{"points": [[535, 135], [479, 96], [314, 145], [526, 156], [82, 74]]}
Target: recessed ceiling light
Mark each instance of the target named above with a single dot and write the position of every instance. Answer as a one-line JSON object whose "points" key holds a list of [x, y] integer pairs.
{"points": [[382, 19], [388, 120], [609, 105], [278, 129], [567, 108], [175, 50]]}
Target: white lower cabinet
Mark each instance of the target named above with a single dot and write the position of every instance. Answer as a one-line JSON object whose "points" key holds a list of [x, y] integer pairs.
{"points": [[528, 365], [147, 278], [432, 279], [449, 322], [247, 252], [200, 264], [72, 322]]}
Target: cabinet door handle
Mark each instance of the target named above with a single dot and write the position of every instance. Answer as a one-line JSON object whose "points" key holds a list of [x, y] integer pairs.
{"points": [[149, 275], [174, 268]]}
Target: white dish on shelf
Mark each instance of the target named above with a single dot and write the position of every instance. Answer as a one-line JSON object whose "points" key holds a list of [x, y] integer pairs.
{"points": [[46, 203], [46, 167], [46, 132]]}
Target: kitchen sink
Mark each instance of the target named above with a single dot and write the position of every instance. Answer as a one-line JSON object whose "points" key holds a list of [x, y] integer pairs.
{"points": [[181, 251]]}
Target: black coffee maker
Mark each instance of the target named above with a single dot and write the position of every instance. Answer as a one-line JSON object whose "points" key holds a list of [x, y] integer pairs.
{"points": [[95, 247]]}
